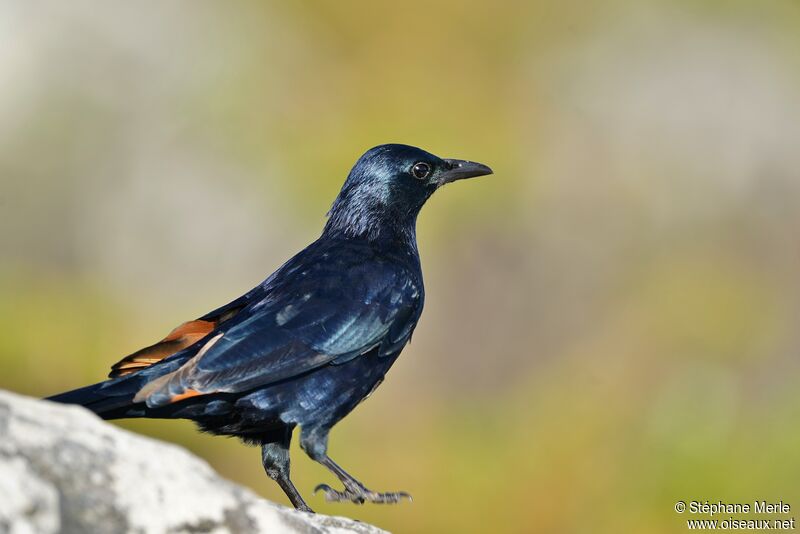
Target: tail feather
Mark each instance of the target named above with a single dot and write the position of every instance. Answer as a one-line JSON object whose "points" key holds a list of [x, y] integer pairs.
{"points": [[115, 398], [98, 400]]}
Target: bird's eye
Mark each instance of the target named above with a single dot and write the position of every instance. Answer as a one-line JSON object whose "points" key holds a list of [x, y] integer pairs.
{"points": [[421, 170]]}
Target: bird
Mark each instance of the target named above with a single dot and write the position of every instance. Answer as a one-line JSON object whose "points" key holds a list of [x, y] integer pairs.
{"points": [[305, 346]]}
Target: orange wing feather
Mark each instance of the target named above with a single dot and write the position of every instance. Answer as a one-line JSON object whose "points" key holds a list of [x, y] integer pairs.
{"points": [[180, 338], [189, 393]]}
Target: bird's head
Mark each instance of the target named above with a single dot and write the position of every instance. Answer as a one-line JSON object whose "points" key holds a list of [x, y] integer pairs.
{"points": [[388, 186]]}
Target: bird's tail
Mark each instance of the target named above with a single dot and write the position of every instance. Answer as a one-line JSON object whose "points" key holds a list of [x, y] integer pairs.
{"points": [[99, 399]]}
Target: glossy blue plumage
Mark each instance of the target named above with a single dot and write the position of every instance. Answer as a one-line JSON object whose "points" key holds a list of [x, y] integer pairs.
{"points": [[337, 301], [309, 343]]}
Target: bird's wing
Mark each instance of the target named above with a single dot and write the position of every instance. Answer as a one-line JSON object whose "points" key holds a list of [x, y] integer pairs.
{"points": [[181, 337], [324, 314]]}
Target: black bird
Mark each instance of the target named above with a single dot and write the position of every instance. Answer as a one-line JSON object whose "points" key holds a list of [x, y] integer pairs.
{"points": [[310, 342]]}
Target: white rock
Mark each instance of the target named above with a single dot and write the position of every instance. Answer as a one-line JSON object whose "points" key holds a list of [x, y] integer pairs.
{"points": [[63, 470]]}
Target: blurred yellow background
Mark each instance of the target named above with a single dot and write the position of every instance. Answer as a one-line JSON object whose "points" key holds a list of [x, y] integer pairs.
{"points": [[612, 318]]}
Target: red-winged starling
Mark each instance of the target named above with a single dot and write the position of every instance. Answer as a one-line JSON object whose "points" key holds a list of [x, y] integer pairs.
{"points": [[310, 342]]}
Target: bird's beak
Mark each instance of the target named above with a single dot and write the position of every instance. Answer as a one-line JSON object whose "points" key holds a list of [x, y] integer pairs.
{"points": [[459, 169]]}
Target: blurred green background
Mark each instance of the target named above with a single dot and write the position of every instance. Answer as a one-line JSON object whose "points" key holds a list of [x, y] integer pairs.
{"points": [[612, 318]]}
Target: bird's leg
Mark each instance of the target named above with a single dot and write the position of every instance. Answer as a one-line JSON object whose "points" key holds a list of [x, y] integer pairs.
{"points": [[315, 442], [275, 457]]}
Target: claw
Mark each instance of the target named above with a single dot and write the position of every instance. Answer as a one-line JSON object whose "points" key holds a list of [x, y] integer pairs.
{"points": [[323, 487]]}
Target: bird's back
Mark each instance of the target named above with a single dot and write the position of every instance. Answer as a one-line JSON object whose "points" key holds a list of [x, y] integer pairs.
{"points": [[289, 343]]}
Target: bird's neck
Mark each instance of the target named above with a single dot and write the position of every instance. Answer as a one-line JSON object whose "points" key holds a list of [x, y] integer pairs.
{"points": [[376, 223]]}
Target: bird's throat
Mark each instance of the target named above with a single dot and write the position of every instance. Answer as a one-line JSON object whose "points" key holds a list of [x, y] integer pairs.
{"points": [[374, 222]]}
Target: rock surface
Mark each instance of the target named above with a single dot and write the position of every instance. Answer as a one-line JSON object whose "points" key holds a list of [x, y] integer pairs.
{"points": [[64, 470]]}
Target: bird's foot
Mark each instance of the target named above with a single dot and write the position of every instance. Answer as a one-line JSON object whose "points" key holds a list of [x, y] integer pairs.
{"points": [[303, 507], [361, 495]]}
